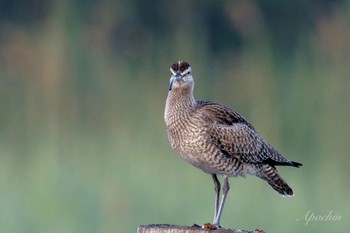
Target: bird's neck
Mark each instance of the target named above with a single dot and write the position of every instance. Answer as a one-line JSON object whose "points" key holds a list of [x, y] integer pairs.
{"points": [[179, 101], [181, 97]]}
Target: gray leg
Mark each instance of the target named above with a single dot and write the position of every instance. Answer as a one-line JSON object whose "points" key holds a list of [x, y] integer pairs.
{"points": [[225, 189], [217, 194]]}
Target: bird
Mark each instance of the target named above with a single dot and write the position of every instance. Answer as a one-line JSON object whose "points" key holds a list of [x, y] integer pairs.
{"points": [[218, 140]]}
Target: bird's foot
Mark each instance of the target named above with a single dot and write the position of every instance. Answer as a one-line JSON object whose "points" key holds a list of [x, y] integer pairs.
{"points": [[210, 226]]}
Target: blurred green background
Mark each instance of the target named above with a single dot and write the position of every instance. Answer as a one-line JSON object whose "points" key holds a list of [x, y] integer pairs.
{"points": [[83, 145]]}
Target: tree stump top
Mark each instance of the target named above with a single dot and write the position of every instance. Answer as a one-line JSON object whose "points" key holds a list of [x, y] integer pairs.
{"points": [[166, 228]]}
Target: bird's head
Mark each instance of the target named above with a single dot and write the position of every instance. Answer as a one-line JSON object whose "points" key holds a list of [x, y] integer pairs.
{"points": [[181, 76]]}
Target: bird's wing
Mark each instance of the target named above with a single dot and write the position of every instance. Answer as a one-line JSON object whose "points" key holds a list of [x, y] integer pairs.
{"points": [[218, 113], [236, 137]]}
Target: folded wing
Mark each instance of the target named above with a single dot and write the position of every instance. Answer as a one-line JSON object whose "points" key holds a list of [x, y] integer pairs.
{"points": [[236, 137]]}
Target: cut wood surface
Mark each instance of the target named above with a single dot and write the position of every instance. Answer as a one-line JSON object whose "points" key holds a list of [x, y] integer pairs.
{"points": [[166, 228]]}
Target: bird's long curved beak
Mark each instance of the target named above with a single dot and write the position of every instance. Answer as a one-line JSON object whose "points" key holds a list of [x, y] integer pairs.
{"points": [[176, 76]]}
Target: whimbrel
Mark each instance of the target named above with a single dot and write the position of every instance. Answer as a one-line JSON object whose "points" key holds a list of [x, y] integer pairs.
{"points": [[217, 139]]}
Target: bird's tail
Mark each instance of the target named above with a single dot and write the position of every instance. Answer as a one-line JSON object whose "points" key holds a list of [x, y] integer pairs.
{"points": [[270, 174]]}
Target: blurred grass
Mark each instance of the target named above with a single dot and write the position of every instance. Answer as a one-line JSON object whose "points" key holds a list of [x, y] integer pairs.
{"points": [[83, 145]]}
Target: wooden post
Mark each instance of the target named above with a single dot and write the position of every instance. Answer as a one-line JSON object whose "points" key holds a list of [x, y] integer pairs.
{"points": [[166, 228]]}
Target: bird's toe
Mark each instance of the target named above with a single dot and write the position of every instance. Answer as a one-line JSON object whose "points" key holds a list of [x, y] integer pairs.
{"points": [[210, 226]]}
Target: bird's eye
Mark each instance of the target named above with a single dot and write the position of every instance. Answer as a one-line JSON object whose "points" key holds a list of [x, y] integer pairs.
{"points": [[188, 72]]}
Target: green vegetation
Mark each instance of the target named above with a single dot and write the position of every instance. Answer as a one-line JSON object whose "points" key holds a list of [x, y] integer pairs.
{"points": [[83, 146]]}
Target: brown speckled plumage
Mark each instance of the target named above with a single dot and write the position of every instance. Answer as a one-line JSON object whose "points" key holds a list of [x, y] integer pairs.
{"points": [[217, 139]]}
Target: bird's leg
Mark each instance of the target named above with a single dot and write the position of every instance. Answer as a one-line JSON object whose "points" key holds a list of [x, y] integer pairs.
{"points": [[217, 194], [225, 189]]}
